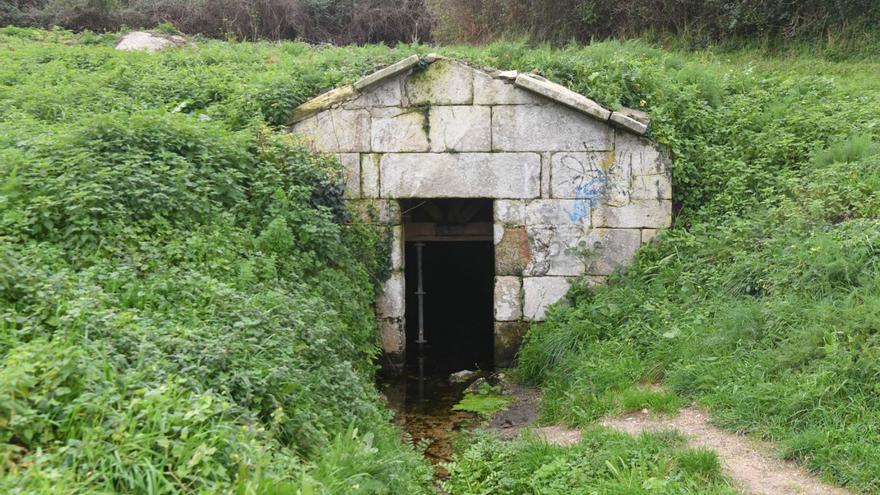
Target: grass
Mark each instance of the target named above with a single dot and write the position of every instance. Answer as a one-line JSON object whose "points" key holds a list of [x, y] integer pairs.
{"points": [[178, 284]]}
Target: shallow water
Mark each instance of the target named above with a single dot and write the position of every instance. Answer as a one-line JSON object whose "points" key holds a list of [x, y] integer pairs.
{"points": [[423, 409]]}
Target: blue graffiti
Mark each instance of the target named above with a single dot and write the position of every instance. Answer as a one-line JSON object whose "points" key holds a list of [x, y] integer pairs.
{"points": [[587, 196]]}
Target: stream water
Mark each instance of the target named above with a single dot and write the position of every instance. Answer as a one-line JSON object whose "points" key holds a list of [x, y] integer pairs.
{"points": [[422, 404]]}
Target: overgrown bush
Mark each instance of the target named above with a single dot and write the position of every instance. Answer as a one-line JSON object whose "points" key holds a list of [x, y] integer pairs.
{"points": [[181, 310]]}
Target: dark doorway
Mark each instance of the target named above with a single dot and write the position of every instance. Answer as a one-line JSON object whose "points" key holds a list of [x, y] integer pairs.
{"points": [[458, 269]]}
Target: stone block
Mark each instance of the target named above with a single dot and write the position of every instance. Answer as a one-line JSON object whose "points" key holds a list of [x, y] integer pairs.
{"points": [[651, 187], [390, 303], [351, 174], [375, 211], [512, 252], [639, 155], [650, 213], [387, 93], [563, 95], [648, 235], [547, 128], [508, 304], [370, 175], [460, 175], [460, 128], [611, 248], [392, 338], [562, 212], [337, 130], [508, 338], [539, 293], [559, 250], [510, 212], [390, 71], [489, 90], [591, 177], [444, 82], [399, 130]]}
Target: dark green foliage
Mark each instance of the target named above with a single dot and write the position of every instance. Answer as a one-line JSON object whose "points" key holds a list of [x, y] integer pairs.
{"points": [[180, 308]]}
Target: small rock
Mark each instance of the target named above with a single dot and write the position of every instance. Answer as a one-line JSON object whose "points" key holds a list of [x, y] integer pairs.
{"points": [[462, 376], [474, 388]]}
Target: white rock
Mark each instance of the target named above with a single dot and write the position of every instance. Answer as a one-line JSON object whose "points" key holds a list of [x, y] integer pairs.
{"points": [[628, 123], [141, 40], [651, 187], [580, 176], [508, 305], [397, 247], [563, 212], [540, 293], [460, 128], [398, 130], [639, 154], [460, 175], [547, 128]]}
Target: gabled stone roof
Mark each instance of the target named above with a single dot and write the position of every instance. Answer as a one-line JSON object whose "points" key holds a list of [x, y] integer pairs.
{"points": [[630, 120]]}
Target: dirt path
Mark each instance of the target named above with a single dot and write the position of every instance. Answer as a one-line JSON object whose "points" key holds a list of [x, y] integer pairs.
{"points": [[748, 463]]}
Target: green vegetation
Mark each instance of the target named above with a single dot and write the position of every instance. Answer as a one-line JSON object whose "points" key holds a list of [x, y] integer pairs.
{"points": [[485, 400], [604, 462], [177, 283], [180, 309]]}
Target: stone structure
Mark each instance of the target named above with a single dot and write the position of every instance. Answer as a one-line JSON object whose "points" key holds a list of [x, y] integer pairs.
{"points": [[576, 188]]}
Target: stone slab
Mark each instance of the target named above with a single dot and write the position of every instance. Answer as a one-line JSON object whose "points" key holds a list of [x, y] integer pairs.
{"points": [[563, 212], [512, 252], [489, 90], [539, 293], [390, 302], [582, 176], [370, 175], [628, 123], [386, 93], [639, 213], [509, 212], [640, 155], [559, 250], [351, 174], [648, 235], [651, 187], [563, 95], [460, 175], [398, 130], [390, 71], [508, 304], [392, 338], [337, 130], [547, 128], [397, 247], [444, 82], [460, 128]]}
